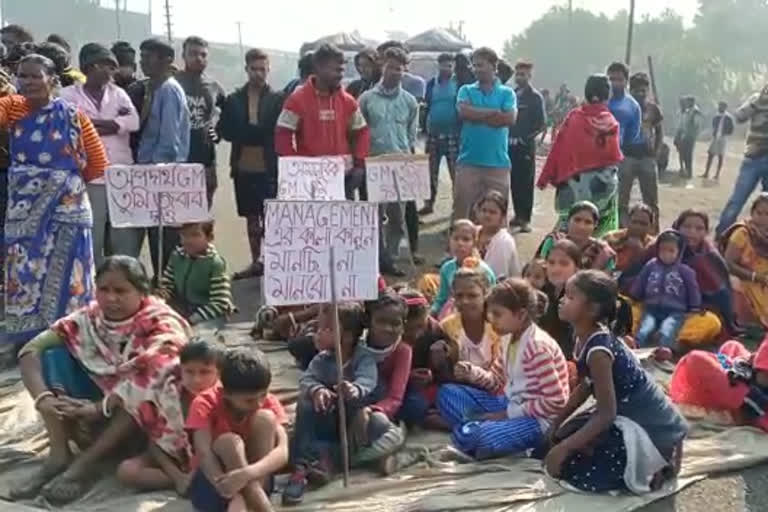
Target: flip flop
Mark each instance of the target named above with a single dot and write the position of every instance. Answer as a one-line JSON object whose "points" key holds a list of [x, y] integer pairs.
{"points": [[64, 490], [31, 486]]}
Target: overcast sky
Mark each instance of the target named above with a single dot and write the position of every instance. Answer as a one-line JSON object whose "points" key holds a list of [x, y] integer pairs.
{"points": [[286, 24]]}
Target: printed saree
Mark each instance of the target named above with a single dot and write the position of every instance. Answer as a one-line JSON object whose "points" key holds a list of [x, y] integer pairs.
{"points": [[137, 360]]}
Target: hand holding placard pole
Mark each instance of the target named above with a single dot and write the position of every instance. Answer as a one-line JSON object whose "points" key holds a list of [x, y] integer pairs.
{"points": [[340, 368]]}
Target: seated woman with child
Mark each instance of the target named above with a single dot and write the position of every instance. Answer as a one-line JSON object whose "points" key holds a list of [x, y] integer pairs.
{"points": [[114, 361]]}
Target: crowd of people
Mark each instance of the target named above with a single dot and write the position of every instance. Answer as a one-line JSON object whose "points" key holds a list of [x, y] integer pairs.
{"points": [[497, 351]]}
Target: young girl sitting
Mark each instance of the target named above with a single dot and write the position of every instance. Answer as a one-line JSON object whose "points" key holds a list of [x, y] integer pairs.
{"points": [[471, 340], [496, 244], [630, 243], [535, 272], [583, 218], [536, 387], [590, 451], [421, 333], [463, 245], [562, 263]]}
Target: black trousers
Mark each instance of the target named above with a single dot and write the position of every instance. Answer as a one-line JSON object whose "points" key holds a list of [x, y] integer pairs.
{"points": [[523, 159]]}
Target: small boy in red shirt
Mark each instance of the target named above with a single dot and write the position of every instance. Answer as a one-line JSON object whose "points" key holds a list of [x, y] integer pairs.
{"points": [[238, 436], [155, 470]]}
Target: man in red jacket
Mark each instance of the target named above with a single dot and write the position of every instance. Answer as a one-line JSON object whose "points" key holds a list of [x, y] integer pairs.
{"points": [[321, 119]]}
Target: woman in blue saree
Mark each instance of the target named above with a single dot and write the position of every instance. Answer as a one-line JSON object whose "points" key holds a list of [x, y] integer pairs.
{"points": [[54, 151]]}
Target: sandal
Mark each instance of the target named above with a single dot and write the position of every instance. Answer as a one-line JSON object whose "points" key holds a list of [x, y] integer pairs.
{"points": [[252, 270], [31, 486], [63, 490]]}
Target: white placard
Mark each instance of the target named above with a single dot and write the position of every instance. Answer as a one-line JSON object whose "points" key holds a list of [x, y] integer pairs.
{"points": [[412, 173], [304, 178], [297, 242], [137, 194]]}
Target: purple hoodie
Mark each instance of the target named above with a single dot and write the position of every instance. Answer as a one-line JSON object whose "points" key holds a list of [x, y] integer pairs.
{"points": [[671, 287]]}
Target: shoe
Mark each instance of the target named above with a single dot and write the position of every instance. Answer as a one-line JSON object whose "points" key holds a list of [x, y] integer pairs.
{"points": [[293, 494], [392, 270], [524, 228], [319, 472], [515, 223], [428, 209], [252, 270], [418, 260]]}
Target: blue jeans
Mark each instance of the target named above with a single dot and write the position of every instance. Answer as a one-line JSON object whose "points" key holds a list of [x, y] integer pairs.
{"points": [[752, 172], [668, 323]]}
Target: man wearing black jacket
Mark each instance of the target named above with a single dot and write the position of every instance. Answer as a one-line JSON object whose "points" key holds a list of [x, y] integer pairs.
{"points": [[247, 120], [522, 145]]}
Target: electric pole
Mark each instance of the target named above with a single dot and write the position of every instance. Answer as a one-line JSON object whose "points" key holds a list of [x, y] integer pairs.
{"points": [[117, 19], [630, 30], [168, 24]]}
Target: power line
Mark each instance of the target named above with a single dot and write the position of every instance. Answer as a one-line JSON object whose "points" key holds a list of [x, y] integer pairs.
{"points": [[117, 19]]}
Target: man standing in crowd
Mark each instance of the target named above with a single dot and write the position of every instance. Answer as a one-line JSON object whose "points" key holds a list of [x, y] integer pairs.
{"points": [[442, 126], [204, 97], [367, 65], [164, 134], [14, 35], [522, 145], [722, 128], [305, 70], [687, 134], [392, 115], [321, 119], [487, 110], [754, 168], [411, 83], [640, 156], [115, 118], [126, 64], [623, 106], [248, 119]]}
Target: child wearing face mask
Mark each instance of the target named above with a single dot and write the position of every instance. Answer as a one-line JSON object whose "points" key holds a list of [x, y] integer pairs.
{"points": [[536, 384]]}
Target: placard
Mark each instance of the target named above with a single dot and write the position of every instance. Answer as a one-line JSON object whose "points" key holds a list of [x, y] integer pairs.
{"points": [[138, 194], [412, 173], [304, 178], [297, 242]]}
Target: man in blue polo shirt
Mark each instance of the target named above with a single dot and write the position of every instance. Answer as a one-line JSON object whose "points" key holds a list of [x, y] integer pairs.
{"points": [[487, 109]]}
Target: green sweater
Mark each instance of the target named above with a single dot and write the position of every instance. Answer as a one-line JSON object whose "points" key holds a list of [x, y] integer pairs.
{"points": [[198, 287]]}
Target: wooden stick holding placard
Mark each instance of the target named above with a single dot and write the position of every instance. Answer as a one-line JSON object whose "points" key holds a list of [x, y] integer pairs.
{"points": [[159, 271], [404, 223], [340, 368]]}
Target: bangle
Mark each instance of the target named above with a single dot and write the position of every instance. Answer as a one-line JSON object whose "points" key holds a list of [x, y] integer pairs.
{"points": [[42, 396], [105, 408]]}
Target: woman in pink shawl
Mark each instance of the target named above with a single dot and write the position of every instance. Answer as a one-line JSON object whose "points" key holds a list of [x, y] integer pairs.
{"points": [[114, 361]]}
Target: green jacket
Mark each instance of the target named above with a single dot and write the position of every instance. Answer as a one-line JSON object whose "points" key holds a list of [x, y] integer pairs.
{"points": [[198, 287]]}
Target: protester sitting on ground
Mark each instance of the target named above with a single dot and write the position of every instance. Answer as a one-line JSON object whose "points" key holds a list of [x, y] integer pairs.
{"points": [[590, 450], [630, 243], [472, 341], [583, 161], [535, 272], [316, 442], [421, 333], [668, 290], [496, 245], [195, 280], [112, 360], [734, 381], [583, 219], [49, 268], [745, 248], [153, 469], [463, 245], [536, 384], [238, 435], [563, 261], [711, 275]]}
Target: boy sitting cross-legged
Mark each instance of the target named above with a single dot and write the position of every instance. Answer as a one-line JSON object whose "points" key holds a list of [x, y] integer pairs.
{"points": [[238, 436]]}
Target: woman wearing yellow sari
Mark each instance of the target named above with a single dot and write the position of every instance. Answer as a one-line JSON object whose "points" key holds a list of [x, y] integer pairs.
{"points": [[745, 247]]}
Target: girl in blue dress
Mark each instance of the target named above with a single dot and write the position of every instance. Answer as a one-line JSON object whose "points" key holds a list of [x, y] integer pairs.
{"points": [[632, 438]]}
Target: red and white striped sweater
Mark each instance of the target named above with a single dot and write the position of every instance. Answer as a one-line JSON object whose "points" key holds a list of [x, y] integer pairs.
{"points": [[536, 376]]}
